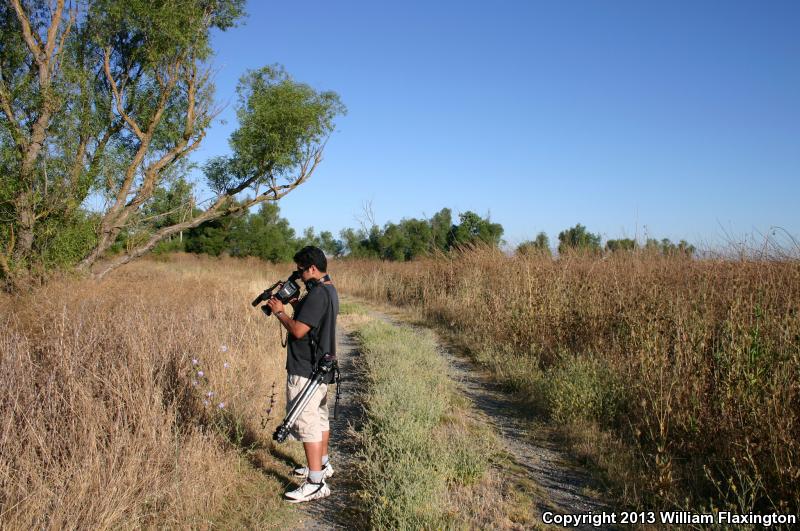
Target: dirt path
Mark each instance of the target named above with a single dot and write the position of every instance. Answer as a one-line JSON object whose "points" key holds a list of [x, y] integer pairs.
{"points": [[561, 485]]}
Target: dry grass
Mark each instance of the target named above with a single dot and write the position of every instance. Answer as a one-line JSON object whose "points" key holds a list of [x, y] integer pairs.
{"points": [[680, 379], [691, 368], [103, 416]]}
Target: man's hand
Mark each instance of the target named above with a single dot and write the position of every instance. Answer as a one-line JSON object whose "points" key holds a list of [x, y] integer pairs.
{"points": [[275, 305]]}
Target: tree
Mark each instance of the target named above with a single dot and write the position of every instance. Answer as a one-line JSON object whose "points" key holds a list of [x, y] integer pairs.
{"points": [[330, 245], [578, 238], [441, 223], [474, 229], [34, 63], [667, 248], [362, 244], [624, 244], [539, 246], [111, 96], [419, 236]]}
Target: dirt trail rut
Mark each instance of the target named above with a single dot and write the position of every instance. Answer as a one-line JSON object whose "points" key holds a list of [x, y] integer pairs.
{"points": [[564, 486]]}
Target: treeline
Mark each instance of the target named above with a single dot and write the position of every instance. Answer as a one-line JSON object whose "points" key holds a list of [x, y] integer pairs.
{"points": [[266, 235], [263, 234], [412, 238], [578, 238]]}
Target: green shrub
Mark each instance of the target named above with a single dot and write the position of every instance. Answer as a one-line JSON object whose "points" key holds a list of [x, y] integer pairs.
{"points": [[64, 242], [415, 441], [583, 388]]}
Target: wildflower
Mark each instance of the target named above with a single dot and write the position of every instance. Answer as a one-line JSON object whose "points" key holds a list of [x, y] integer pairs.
{"points": [[226, 365], [194, 382], [210, 394], [222, 405], [223, 348], [200, 374], [194, 361], [206, 402]]}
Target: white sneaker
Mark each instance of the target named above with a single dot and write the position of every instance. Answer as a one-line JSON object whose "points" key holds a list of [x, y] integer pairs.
{"points": [[308, 491], [302, 471]]}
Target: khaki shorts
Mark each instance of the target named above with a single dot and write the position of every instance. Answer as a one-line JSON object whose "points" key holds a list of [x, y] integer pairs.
{"points": [[314, 418]]}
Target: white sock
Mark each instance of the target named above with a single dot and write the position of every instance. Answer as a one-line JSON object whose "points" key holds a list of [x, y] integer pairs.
{"points": [[325, 460], [315, 476]]}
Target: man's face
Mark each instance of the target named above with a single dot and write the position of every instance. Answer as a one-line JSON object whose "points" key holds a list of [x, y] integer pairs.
{"points": [[306, 273]]}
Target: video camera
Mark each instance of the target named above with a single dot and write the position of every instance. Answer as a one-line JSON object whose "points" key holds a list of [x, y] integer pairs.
{"points": [[287, 292]]}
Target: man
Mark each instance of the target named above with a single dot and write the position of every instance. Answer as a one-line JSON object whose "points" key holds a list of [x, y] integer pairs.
{"points": [[314, 323]]}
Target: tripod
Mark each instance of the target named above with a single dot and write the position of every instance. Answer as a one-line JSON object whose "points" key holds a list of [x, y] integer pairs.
{"points": [[325, 365]]}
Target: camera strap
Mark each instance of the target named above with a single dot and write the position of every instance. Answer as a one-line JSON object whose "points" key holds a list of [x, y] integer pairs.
{"points": [[315, 346], [314, 339]]}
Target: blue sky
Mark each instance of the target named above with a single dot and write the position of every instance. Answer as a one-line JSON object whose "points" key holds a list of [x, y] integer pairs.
{"points": [[670, 119]]}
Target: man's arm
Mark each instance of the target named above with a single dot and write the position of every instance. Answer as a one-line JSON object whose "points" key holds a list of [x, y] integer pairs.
{"points": [[307, 317], [298, 329]]}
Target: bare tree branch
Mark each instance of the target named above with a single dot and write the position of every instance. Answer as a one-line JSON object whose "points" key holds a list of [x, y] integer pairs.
{"points": [[52, 31], [8, 110], [217, 210], [118, 95], [28, 33]]}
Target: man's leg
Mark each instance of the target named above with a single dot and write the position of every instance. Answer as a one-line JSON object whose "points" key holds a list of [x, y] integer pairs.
{"points": [[314, 454], [325, 437]]}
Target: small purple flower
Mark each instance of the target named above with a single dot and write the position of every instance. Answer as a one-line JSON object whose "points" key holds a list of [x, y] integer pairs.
{"points": [[206, 402], [222, 405], [226, 365], [210, 394], [223, 348], [200, 374], [194, 361]]}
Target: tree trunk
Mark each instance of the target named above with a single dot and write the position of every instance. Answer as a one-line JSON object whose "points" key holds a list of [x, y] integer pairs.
{"points": [[26, 220]]}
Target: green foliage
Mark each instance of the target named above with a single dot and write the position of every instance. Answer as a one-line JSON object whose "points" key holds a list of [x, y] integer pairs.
{"points": [[473, 229], [667, 248], [130, 98], [209, 238], [172, 203], [173, 245], [413, 238], [151, 31], [361, 244], [584, 388], [578, 238], [281, 124], [624, 244], [539, 246], [64, 241], [408, 457], [154, 51], [324, 240], [441, 223], [265, 235]]}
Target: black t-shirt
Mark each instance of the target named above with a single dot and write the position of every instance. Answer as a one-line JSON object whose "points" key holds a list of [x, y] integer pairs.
{"points": [[318, 310]]}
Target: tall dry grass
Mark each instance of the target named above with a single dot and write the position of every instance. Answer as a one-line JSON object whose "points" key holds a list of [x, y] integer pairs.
{"points": [[691, 368], [105, 422]]}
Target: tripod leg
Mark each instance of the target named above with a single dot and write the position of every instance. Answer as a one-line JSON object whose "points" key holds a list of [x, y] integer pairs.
{"points": [[302, 393], [301, 402]]}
